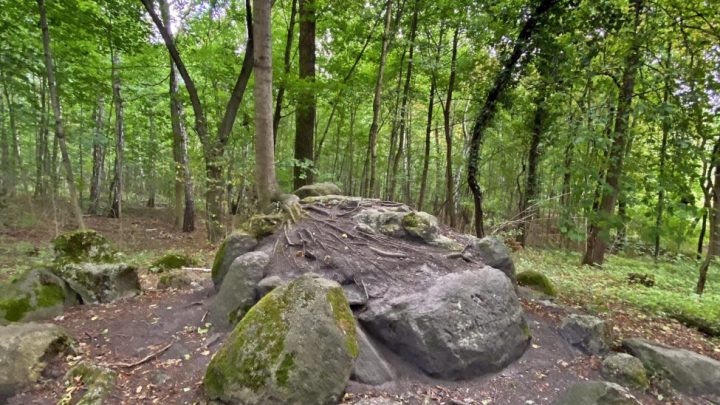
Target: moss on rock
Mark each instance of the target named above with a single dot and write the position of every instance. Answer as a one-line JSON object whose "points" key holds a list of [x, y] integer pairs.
{"points": [[98, 382], [171, 261], [35, 295], [536, 281], [235, 245], [296, 345], [82, 246]]}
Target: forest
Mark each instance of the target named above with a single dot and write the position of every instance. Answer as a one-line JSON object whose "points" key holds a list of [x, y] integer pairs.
{"points": [[583, 134]]}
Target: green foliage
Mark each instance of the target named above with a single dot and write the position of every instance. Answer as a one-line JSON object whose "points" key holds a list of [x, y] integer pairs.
{"points": [[672, 296], [82, 246]]}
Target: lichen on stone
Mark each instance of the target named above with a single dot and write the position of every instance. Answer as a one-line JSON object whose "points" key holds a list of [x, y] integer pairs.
{"points": [[344, 319], [170, 261]]}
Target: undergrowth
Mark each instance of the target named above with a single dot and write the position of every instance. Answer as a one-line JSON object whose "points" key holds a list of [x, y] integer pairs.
{"points": [[672, 296]]}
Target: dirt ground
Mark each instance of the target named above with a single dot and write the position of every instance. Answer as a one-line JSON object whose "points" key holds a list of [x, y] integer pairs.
{"points": [[159, 342]]}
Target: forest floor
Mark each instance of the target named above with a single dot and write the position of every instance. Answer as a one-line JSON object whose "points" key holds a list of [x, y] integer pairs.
{"points": [[171, 324]]}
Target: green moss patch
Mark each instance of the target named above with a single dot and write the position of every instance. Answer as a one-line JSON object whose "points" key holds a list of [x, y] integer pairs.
{"points": [[537, 281], [344, 319], [171, 261], [14, 309], [82, 246]]}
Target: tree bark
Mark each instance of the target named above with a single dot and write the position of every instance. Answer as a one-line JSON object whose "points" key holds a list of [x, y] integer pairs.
{"points": [[528, 206], [306, 109], [502, 82], [447, 126], [117, 191], [369, 181], [714, 247], [287, 60], [57, 110], [265, 180], [13, 155], [663, 158], [98, 162], [598, 234], [426, 155]]}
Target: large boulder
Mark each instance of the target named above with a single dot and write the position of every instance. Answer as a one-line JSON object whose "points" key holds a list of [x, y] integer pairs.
{"points": [[235, 245], [82, 246], [25, 350], [238, 292], [318, 190], [588, 333], [36, 295], [370, 367], [625, 370], [687, 372], [492, 252], [297, 345], [596, 393], [101, 283], [465, 324]]}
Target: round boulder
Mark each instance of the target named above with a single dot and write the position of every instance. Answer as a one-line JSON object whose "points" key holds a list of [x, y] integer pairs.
{"points": [[101, 283], [37, 295], [625, 370], [297, 345], [233, 246], [596, 393], [464, 325], [590, 334]]}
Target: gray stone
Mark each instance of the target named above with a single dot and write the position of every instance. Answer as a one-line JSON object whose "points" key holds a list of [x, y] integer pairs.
{"points": [[688, 372], [493, 252], [174, 279], [268, 284], [402, 222], [36, 295], [625, 370], [297, 345], [370, 367], [318, 190], [464, 325], [238, 292], [101, 283], [233, 246], [588, 333], [596, 393], [355, 295], [382, 220], [25, 350]]}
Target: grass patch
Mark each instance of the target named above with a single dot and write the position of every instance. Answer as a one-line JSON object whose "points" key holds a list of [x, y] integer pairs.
{"points": [[672, 296]]}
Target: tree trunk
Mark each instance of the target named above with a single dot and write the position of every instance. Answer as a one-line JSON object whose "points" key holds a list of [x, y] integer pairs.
{"points": [[212, 150], [426, 155], [4, 153], [447, 126], [528, 206], [265, 180], [13, 156], [306, 109], [502, 82], [714, 247], [116, 202], [59, 128], [370, 180], [287, 60], [663, 158], [98, 162], [41, 144], [599, 233], [394, 138]]}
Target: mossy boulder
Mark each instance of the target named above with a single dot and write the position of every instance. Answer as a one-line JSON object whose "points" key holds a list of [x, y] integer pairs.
{"points": [[589, 334], [297, 345], [493, 252], [25, 351], [318, 190], [83, 246], [402, 222], [233, 246], [536, 281], [625, 370], [596, 393], [174, 279], [36, 295], [97, 382], [101, 283], [171, 261], [238, 292]]}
